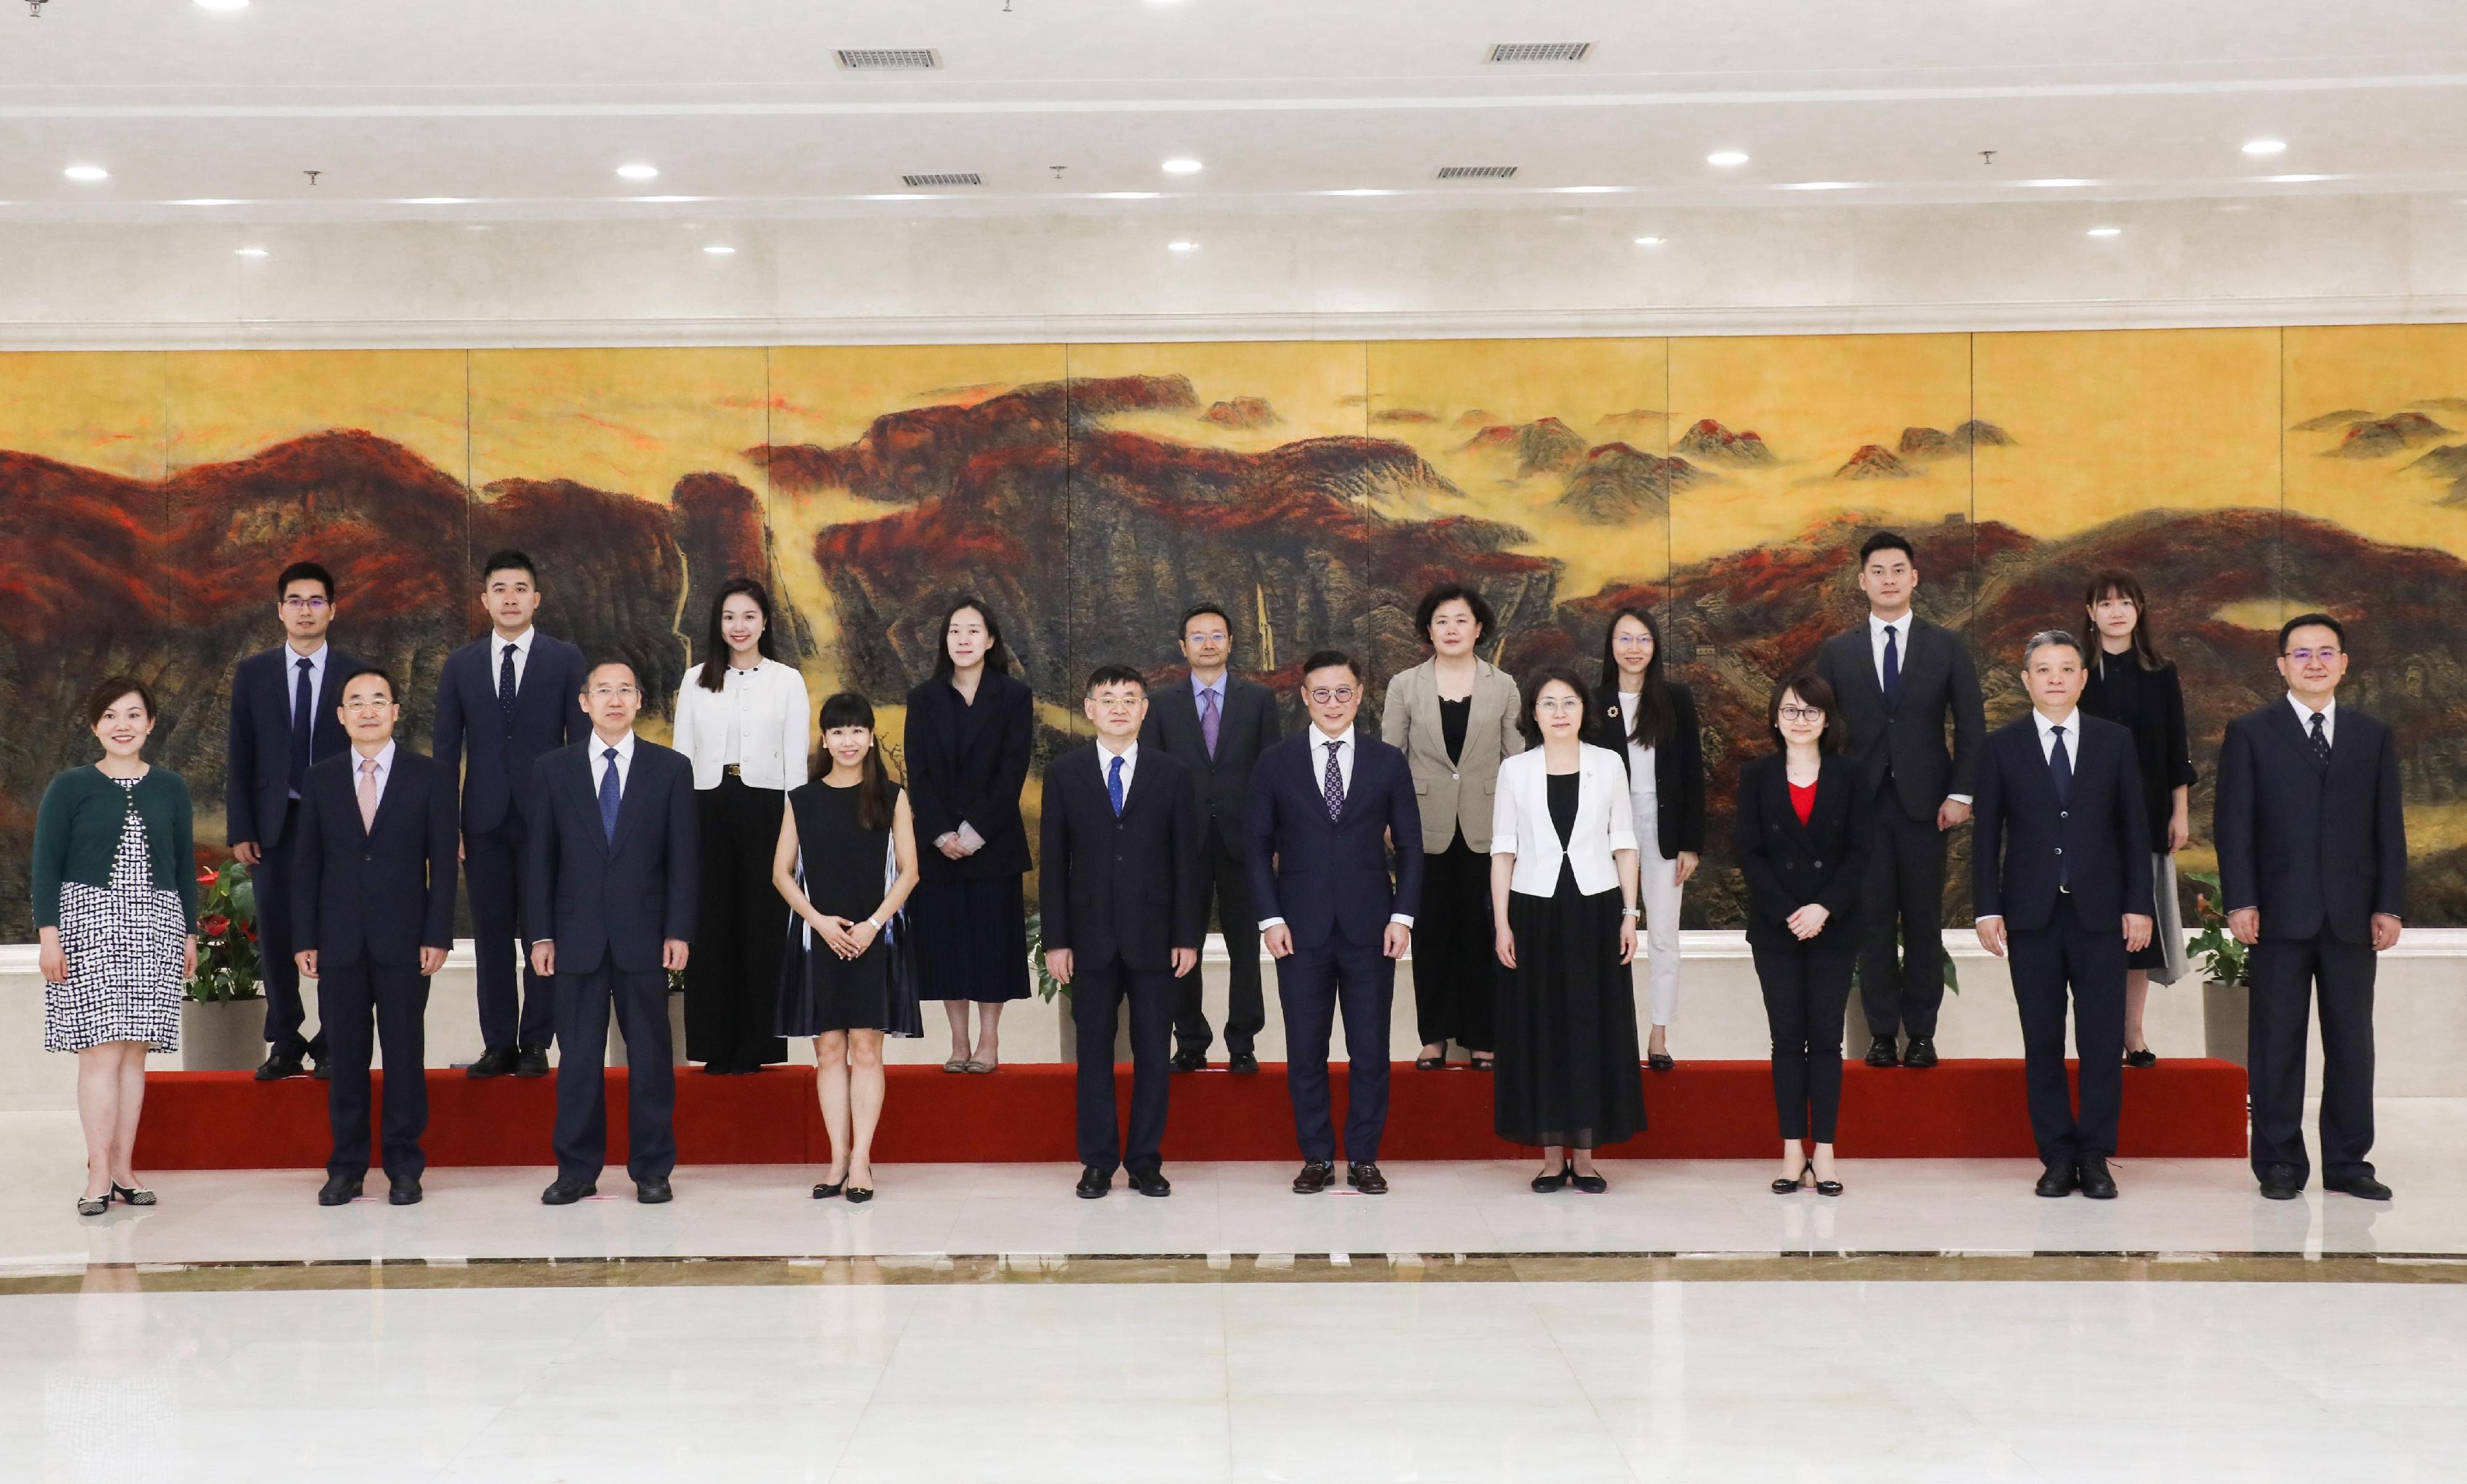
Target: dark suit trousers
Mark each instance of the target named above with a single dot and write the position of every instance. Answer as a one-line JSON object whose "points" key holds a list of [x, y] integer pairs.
{"points": [[2044, 961], [1313, 985], [1905, 896], [732, 977], [642, 1009], [493, 870], [1807, 990], [285, 1010], [2285, 975], [1228, 885], [1097, 995], [397, 998]]}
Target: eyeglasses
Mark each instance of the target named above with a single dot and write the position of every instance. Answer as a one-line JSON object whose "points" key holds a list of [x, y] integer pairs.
{"points": [[1558, 703], [1324, 697], [1204, 636], [2308, 656], [1633, 641], [612, 692], [1801, 713], [309, 604]]}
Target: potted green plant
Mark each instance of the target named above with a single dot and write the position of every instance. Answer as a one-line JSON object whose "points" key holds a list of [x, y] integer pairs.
{"points": [[1054, 992], [222, 1015], [2227, 973]]}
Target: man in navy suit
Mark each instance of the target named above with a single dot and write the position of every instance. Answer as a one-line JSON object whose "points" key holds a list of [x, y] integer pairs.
{"points": [[2313, 864], [1326, 807], [502, 701], [375, 915], [284, 717], [2061, 876], [1124, 908], [610, 888]]}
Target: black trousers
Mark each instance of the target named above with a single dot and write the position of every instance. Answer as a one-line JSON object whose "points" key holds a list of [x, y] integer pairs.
{"points": [[494, 871], [2286, 974], [1806, 990], [1456, 958], [1228, 888], [1314, 985], [1097, 995], [733, 975], [641, 1001], [395, 997], [286, 1013], [1901, 991], [2046, 962]]}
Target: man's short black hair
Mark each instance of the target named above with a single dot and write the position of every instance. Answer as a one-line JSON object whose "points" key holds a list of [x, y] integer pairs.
{"points": [[508, 560], [598, 665], [1888, 540], [2311, 621], [1115, 675], [1198, 609], [1330, 659], [393, 692], [305, 572]]}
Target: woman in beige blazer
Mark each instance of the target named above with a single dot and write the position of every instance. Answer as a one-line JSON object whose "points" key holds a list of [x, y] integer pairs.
{"points": [[1455, 717]]}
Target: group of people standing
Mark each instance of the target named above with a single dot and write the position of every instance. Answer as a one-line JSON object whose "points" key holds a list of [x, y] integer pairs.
{"points": [[1536, 836]]}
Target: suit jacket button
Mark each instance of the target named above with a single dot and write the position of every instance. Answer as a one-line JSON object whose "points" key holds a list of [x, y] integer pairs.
{"points": [[368, 857], [1819, 865], [2063, 815], [2060, 850]]}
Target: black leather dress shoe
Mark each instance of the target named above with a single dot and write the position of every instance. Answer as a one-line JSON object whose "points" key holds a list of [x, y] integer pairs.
{"points": [[565, 1192], [1365, 1178], [319, 1069], [2282, 1183], [2143, 1060], [532, 1063], [653, 1192], [1093, 1182], [1660, 1061], [1920, 1051], [404, 1192], [1315, 1177], [2095, 1182], [339, 1190], [1882, 1052], [2061, 1178], [1150, 1182], [278, 1067], [1243, 1063], [2364, 1187], [1190, 1060], [495, 1062]]}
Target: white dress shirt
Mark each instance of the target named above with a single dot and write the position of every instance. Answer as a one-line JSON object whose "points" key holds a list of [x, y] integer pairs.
{"points": [[2329, 718], [1319, 741], [1130, 756], [601, 764], [758, 720], [385, 768], [499, 644]]}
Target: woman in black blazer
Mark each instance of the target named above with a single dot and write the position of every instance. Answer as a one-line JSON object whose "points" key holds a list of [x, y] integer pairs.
{"points": [[1650, 722], [967, 750], [1801, 831]]}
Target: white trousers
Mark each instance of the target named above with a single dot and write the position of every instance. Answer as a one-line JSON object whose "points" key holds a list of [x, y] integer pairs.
{"points": [[1658, 892]]}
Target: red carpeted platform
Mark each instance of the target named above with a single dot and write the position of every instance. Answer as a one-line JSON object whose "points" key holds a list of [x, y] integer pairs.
{"points": [[1702, 1110]]}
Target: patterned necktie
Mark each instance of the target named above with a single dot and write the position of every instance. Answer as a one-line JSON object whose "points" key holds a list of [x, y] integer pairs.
{"points": [[1892, 666], [2320, 742], [304, 707], [2060, 768], [506, 682], [1333, 786], [1208, 719], [368, 793], [1114, 786], [608, 796]]}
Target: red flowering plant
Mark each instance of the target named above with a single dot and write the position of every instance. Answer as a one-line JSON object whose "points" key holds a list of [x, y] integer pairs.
{"points": [[2222, 959], [227, 963]]}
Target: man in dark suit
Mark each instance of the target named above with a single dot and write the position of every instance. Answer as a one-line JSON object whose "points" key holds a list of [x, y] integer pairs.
{"points": [[1217, 723], [1327, 807], [1122, 914], [611, 886], [2060, 868], [502, 701], [1901, 681], [375, 915], [283, 717], [2313, 866]]}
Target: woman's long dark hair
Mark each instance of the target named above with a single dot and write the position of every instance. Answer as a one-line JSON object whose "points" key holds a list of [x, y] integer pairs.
{"points": [[1655, 716], [1540, 676], [997, 654], [714, 644], [2119, 583], [877, 797]]}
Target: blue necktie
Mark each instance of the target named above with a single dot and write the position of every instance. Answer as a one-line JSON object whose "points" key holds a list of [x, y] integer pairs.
{"points": [[608, 796], [506, 683], [303, 706], [2060, 772], [1893, 667], [1114, 786]]}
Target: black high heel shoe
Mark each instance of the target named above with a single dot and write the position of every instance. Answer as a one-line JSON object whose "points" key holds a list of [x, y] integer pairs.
{"points": [[140, 1197], [1792, 1185], [1591, 1185], [830, 1188], [1545, 1184], [859, 1195], [1827, 1187], [92, 1205]]}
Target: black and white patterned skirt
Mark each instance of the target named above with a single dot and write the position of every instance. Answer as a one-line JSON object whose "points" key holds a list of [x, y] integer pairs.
{"points": [[126, 949]]}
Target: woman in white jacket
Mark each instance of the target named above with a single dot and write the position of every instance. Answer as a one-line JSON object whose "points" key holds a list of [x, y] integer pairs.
{"points": [[1563, 883], [744, 721]]}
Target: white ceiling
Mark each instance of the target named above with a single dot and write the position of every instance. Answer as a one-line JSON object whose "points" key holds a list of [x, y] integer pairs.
{"points": [[527, 107]]}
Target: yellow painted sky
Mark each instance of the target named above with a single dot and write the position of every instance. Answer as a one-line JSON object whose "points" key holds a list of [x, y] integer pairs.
{"points": [[103, 409], [630, 421], [2379, 369], [1317, 388], [229, 404]]}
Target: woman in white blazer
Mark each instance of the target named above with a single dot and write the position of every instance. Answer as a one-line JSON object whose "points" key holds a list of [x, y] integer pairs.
{"points": [[1563, 885], [742, 720]]}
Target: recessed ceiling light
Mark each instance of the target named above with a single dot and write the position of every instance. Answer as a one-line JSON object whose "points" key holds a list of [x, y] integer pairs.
{"points": [[2265, 146], [248, 252], [1727, 157], [2106, 232], [1181, 165], [639, 171], [2055, 183], [720, 250], [434, 201], [223, 5], [1648, 241], [1181, 248], [1822, 185], [1587, 190], [86, 172]]}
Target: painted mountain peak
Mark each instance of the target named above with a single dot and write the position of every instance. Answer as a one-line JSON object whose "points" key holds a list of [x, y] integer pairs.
{"points": [[1403, 415], [1545, 445], [2327, 421], [2447, 462], [2377, 437], [1710, 441], [1242, 412], [1474, 417], [1929, 442], [1874, 461], [1617, 485]]}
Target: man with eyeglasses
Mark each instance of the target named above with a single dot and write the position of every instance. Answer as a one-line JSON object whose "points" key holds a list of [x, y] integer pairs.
{"points": [[1326, 807], [2312, 849], [1217, 725], [611, 886], [285, 715]]}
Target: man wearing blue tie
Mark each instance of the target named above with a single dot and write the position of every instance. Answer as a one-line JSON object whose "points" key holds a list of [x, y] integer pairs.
{"points": [[284, 715]]}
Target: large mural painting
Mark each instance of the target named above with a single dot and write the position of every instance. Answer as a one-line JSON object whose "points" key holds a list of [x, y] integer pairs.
{"points": [[1089, 494]]}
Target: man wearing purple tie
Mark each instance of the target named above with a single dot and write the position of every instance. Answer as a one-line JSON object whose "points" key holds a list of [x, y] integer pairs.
{"points": [[1216, 725]]}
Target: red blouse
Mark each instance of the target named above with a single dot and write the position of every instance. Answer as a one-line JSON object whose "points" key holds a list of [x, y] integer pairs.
{"points": [[1803, 801]]}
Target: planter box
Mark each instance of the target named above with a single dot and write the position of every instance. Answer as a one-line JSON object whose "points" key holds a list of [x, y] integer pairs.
{"points": [[222, 1035], [2225, 1008]]}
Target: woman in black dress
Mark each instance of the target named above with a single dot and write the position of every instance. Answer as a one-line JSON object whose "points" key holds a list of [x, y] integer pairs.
{"points": [[1563, 894], [1800, 833], [836, 838], [966, 753], [2131, 686]]}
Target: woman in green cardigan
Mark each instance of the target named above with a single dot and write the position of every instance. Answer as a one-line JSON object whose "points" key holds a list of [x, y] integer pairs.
{"points": [[116, 904]]}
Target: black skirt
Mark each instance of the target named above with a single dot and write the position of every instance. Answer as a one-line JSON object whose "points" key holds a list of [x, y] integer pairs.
{"points": [[1569, 1071], [971, 938]]}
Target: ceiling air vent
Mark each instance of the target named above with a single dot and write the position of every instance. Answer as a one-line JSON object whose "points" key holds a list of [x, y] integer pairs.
{"points": [[1538, 51], [1476, 172], [902, 58], [958, 178]]}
